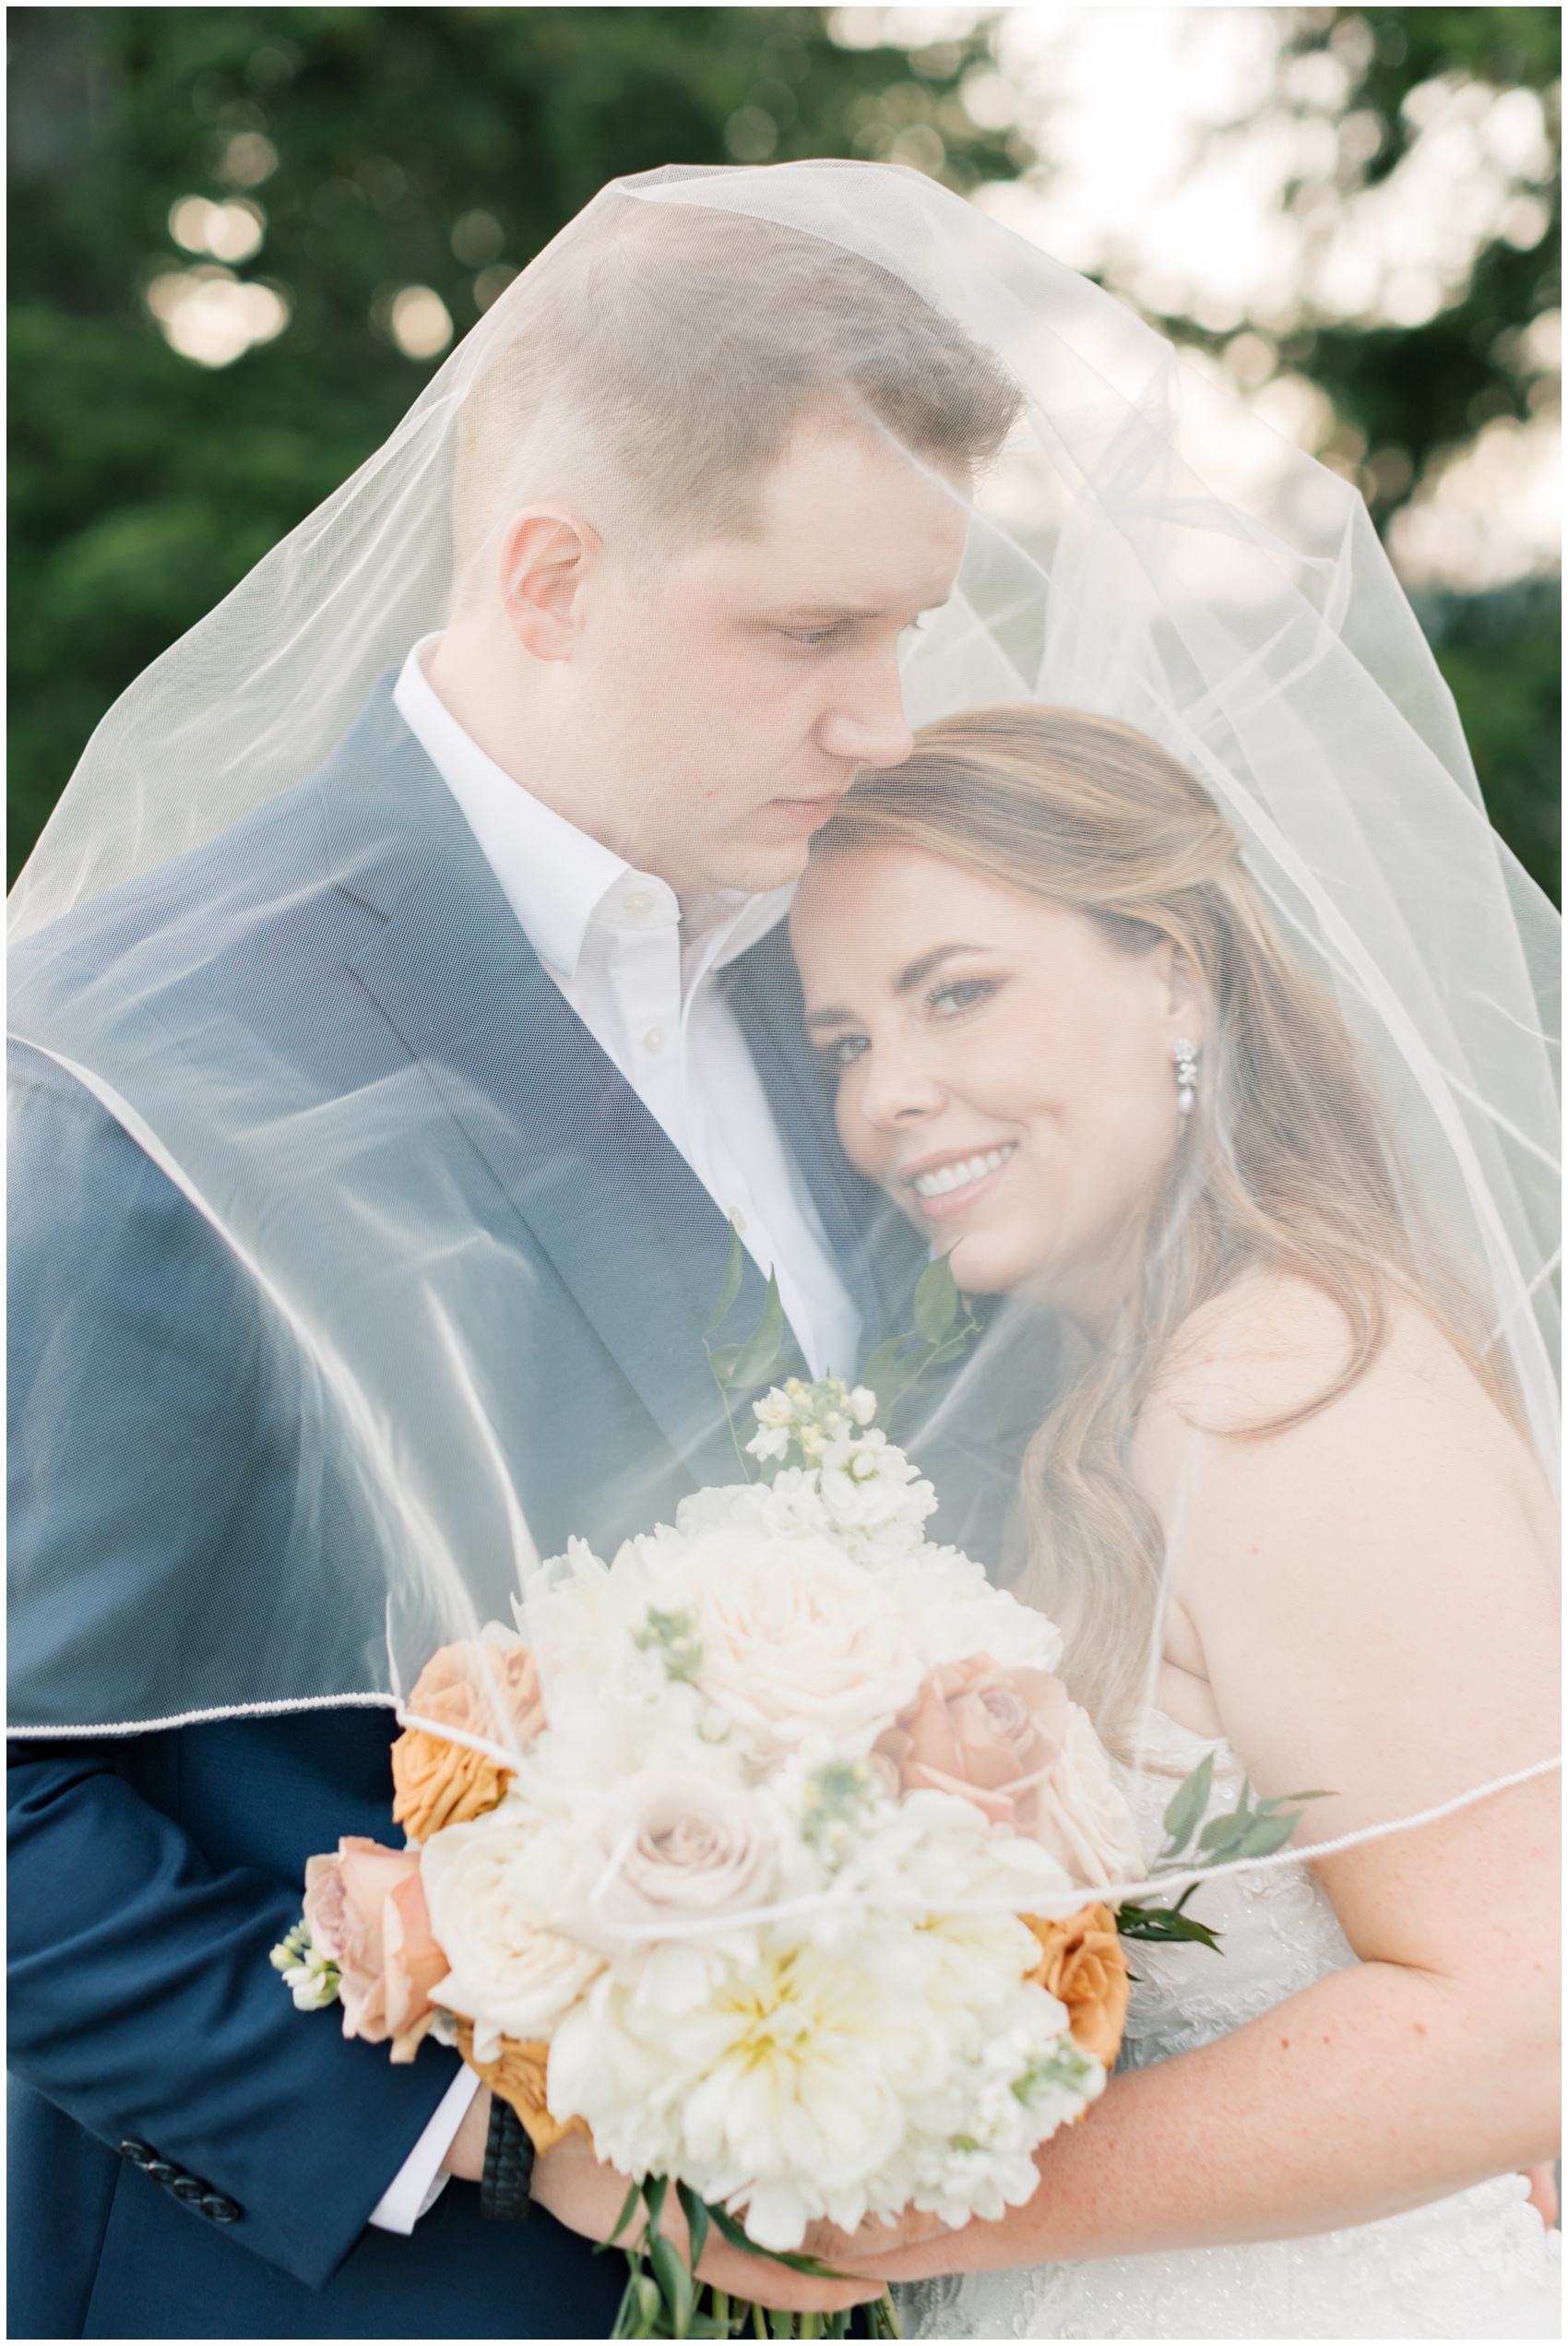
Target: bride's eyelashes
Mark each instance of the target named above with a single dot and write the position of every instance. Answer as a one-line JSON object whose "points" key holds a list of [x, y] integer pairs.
{"points": [[958, 995], [843, 1050]]}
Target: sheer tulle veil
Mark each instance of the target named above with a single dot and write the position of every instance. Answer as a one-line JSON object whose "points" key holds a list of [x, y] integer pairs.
{"points": [[1143, 547]]}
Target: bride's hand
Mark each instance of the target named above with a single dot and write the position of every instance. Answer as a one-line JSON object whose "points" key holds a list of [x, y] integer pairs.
{"points": [[587, 2198], [857, 2251]]}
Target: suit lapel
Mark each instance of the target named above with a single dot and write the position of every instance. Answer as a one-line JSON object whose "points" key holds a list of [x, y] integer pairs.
{"points": [[626, 1223]]}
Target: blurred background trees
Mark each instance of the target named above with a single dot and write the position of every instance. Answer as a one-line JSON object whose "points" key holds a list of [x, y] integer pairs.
{"points": [[242, 238]]}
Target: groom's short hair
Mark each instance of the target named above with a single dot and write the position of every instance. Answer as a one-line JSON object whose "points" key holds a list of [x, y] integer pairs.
{"points": [[656, 359]]}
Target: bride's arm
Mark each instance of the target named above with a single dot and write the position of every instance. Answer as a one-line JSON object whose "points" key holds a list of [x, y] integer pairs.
{"points": [[1374, 1608]]}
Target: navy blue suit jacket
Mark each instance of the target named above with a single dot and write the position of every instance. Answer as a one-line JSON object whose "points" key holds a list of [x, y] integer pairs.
{"points": [[152, 1873]]}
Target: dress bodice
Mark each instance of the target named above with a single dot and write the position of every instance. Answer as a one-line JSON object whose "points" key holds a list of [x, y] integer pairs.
{"points": [[1476, 2265], [1278, 1931]]}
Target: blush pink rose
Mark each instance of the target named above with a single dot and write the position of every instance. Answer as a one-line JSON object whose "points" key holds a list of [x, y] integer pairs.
{"points": [[364, 1907], [987, 1732]]}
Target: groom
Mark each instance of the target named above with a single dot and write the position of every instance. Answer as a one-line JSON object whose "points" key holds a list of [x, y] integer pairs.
{"points": [[584, 802]]}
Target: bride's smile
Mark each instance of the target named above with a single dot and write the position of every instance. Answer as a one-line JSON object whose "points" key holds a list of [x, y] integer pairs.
{"points": [[1015, 1097]]}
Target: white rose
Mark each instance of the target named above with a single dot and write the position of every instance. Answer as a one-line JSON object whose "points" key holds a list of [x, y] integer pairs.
{"points": [[1081, 1817], [797, 1642], [489, 1887], [675, 1847]]}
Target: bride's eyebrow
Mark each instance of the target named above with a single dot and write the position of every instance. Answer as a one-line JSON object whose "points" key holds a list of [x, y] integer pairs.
{"points": [[908, 978]]}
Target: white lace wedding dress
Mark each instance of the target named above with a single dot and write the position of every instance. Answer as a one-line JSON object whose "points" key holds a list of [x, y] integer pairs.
{"points": [[1477, 2265]]}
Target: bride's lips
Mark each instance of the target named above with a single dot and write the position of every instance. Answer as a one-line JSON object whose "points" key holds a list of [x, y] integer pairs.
{"points": [[952, 1181]]}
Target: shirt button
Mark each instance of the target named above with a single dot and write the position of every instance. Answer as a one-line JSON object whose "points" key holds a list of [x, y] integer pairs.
{"points": [[638, 902], [654, 1038]]}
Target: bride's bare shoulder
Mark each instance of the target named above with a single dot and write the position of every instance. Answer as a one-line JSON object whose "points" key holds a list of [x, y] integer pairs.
{"points": [[1257, 1360]]}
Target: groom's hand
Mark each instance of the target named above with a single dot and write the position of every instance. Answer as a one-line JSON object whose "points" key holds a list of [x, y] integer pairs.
{"points": [[587, 2198]]}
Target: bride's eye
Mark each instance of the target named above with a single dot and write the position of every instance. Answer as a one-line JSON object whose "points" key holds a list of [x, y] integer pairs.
{"points": [[958, 993], [845, 1050]]}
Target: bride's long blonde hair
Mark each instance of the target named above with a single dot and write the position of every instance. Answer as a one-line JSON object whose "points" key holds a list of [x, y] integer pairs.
{"points": [[1288, 1163]]}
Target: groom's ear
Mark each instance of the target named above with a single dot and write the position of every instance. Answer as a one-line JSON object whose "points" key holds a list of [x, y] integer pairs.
{"points": [[545, 554]]}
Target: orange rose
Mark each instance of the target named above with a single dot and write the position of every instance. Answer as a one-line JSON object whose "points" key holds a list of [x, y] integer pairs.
{"points": [[483, 1690], [1082, 1965], [982, 1731], [365, 1908], [518, 2076]]}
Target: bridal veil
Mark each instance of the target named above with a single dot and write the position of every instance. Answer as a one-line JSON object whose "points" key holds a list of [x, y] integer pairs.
{"points": [[1143, 547]]}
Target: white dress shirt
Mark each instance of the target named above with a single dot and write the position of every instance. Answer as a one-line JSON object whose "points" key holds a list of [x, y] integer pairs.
{"points": [[638, 970]]}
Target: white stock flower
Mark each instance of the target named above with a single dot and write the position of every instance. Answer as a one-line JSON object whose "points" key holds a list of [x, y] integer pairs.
{"points": [[797, 1642], [493, 1888], [869, 1488]]}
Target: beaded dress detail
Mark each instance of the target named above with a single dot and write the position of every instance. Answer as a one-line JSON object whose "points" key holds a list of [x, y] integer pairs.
{"points": [[1479, 2264]]}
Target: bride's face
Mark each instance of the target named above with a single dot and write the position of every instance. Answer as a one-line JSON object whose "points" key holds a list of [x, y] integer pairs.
{"points": [[1005, 1066]]}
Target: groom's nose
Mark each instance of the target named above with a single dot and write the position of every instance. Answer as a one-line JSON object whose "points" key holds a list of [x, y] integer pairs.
{"points": [[866, 725]]}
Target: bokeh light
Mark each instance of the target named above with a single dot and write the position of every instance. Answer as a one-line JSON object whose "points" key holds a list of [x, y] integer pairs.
{"points": [[210, 317], [419, 322]]}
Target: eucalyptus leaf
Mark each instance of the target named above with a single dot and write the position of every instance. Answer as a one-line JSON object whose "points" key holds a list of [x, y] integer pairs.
{"points": [[734, 1270], [1182, 1817]]}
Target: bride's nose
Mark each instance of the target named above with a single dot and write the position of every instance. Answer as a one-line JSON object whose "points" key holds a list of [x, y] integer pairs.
{"points": [[896, 1092]]}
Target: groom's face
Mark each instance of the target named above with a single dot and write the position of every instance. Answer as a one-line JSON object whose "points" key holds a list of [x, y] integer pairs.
{"points": [[736, 691]]}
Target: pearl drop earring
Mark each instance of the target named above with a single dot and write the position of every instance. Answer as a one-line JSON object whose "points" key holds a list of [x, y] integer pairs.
{"points": [[1186, 1055]]}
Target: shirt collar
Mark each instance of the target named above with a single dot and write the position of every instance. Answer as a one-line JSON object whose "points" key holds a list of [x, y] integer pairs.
{"points": [[558, 881]]}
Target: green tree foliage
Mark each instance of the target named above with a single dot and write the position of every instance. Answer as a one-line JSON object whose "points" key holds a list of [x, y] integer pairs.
{"points": [[442, 146], [412, 146]]}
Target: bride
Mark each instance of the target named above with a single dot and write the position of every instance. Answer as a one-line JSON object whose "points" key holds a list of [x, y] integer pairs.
{"points": [[1070, 1043]]}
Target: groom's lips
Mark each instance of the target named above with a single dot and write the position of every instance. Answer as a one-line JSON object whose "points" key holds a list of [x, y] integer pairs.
{"points": [[809, 813]]}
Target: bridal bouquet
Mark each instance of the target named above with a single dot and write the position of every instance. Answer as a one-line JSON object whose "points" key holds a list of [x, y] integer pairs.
{"points": [[781, 1894]]}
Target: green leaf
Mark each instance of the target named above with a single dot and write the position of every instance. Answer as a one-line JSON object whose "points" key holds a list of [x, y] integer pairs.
{"points": [[936, 1300], [897, 1380], [736, 2234], [628, 2210], [1191, 1800], [1264, 1835], [670, 2273], [722, 1359], [654, 2190], [1164, 1925], [734, 1270], [762, 1348], [882, 1363], [697, 2217]]}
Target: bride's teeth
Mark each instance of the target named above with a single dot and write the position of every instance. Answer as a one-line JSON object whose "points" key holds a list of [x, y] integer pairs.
{"points": [[950, 1177]]}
